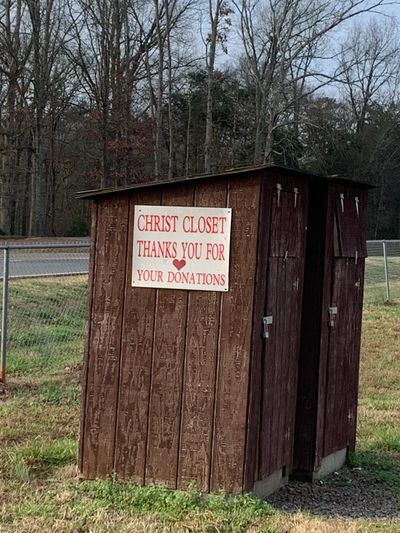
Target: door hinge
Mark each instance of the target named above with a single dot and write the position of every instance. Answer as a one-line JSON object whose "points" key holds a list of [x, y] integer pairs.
{"points": [[267, 321], [342, 202], [279, 189], [296, 194], [332, 315]]}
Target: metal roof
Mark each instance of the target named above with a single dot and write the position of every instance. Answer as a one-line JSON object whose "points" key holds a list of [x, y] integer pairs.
{"points": [[93, 193]]}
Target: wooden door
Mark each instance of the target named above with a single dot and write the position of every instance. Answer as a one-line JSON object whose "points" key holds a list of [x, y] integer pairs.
{"points": [[281, 343], [343, 320]]}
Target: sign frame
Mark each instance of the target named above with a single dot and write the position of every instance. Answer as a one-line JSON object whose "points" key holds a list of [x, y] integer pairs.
{"points": [[181, 247]]}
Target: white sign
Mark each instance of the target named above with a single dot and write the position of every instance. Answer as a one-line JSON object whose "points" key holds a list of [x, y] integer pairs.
{"points": [[181, 247]]}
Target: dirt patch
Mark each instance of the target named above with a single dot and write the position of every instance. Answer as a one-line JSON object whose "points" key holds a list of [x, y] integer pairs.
{"points": [[347, 494]]}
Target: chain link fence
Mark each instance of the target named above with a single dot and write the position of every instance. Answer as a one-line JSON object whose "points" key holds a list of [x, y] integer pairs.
{"points": [[43, 306], [382, 271], [44, 290]]}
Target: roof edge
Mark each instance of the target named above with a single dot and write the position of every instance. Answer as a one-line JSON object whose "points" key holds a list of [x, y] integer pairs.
{"points": [[93, 193]]}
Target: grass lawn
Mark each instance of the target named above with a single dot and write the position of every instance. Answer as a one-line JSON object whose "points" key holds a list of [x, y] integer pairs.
{"points": [[39, 423]]}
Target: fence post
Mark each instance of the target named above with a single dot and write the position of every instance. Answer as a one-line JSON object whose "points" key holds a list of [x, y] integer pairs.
{"points": [[386, 271], [4, 313]]}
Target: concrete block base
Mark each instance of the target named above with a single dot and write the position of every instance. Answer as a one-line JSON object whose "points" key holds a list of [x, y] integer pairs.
{"points": [[273, 482], [330, 464]]}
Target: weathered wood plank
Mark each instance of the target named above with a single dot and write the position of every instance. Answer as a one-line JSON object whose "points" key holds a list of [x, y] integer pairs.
{"points": [[251, 466], [136, 359], [335, 421], [235, 339], [105, 338], [271, 347], [297, 269], [200, 367], [86, 358], [167, 371], [355, 362], [322, 352], [280, 355]]}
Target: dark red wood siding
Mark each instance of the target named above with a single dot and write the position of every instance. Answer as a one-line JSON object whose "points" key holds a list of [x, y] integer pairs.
{"points": [[201, 360], [136, 364], [167, 378], [285, 266], [104, 342], [330, 346]]}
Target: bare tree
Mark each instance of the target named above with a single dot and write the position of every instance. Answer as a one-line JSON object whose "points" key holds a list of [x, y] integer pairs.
{"points": [[281, 39], [14, 53], [47, 19], [370, 65], [219, 12], [110, 42]]}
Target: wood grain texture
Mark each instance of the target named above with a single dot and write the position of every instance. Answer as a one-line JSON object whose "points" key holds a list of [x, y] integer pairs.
{"points": [[167, 370], [235, 340], [136, 362], [251, 464], [283, 303], [323, 344], [337, 360], [344, 352], [328, 370], [200, 367], [313, 286], [271, 347], [86, 357], [355, 363], [105, 337], [297, 282], [351, 221]]}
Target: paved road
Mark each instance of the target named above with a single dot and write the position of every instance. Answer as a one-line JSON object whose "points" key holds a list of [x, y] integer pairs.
{"points": [[46, 263]]}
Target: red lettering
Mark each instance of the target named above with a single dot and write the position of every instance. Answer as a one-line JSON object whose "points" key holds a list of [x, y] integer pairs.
{"points": [[215, 251], [192, 250], [150, 275], [159, 223], [203, 224], [165, 249]]}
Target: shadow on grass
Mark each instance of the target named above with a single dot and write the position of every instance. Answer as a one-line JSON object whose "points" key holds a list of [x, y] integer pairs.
{"points": [[369, 488], [62, 388]]}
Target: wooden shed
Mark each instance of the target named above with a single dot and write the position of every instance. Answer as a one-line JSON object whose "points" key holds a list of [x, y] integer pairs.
{"points": [[331, 327], [182, 385]]}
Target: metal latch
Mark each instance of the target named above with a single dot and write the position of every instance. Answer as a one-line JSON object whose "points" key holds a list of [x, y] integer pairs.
{"points": [[267, 321], [332, 314]]}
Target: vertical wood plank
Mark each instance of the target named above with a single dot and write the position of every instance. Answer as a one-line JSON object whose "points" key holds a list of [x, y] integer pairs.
{"points": [[105, 338], [323, 346], [235, 339], [251, 465], [275, 370], [335, 416], [268, 369], [136, 357], [313, 328], [297, 273], [355, 362], [167, 371], [200, 367], [86, 359]]}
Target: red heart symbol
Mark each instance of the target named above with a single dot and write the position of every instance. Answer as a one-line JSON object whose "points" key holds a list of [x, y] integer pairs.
{"points": [[179, 263]]}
